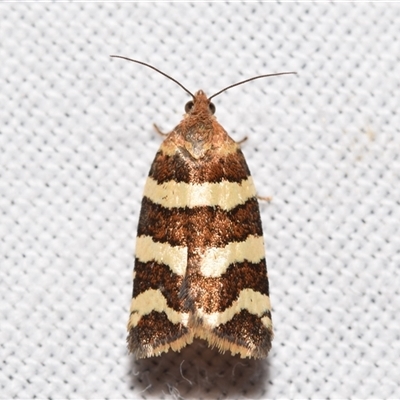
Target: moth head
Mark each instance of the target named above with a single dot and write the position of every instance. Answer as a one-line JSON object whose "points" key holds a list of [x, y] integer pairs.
{"points": [[200, 105], [190, 104]]}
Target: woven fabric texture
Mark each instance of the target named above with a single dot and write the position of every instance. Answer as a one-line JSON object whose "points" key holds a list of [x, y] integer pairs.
{"points": [[76, 144]]}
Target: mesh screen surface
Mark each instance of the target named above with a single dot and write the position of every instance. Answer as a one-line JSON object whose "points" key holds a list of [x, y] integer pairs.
{"points": [[76, 145]]}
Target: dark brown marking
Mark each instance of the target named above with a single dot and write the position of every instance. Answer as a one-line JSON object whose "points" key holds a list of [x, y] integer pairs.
{"points": [[151, 275], [183, 168], [217, 294], [246, 330], [211, 294], [199, 227], [152, 331]]}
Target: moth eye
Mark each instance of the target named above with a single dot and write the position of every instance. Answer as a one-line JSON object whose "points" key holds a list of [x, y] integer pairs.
{"points": [[212, 108], [188, 106]]}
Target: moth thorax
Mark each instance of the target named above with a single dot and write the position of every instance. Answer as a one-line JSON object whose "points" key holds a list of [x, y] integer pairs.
{"points": [[198, 141]]}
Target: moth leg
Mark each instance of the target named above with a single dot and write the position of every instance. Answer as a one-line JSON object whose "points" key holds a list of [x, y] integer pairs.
{"points": [[159, 131], [242, 140], [265, 198]]}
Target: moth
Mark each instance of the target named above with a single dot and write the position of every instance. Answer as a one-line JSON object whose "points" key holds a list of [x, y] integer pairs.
{"points": [[200, 269]]}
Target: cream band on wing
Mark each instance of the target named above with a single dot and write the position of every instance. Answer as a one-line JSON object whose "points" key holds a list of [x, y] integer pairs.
{"points": [[154, 300], [216, 260], [176, 345], [225, 194], [267, 322], [254, 302], [224, 344], [173, 256]]}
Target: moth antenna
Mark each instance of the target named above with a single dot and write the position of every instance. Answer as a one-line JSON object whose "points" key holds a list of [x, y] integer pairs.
{"points": [[155, 69], [248, 80]]}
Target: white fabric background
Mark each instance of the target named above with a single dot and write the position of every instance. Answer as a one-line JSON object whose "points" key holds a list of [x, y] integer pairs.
{"points": [[76, 145]]}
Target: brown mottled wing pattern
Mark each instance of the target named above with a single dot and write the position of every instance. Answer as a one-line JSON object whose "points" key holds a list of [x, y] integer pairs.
{"points": [[200, 269]]}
